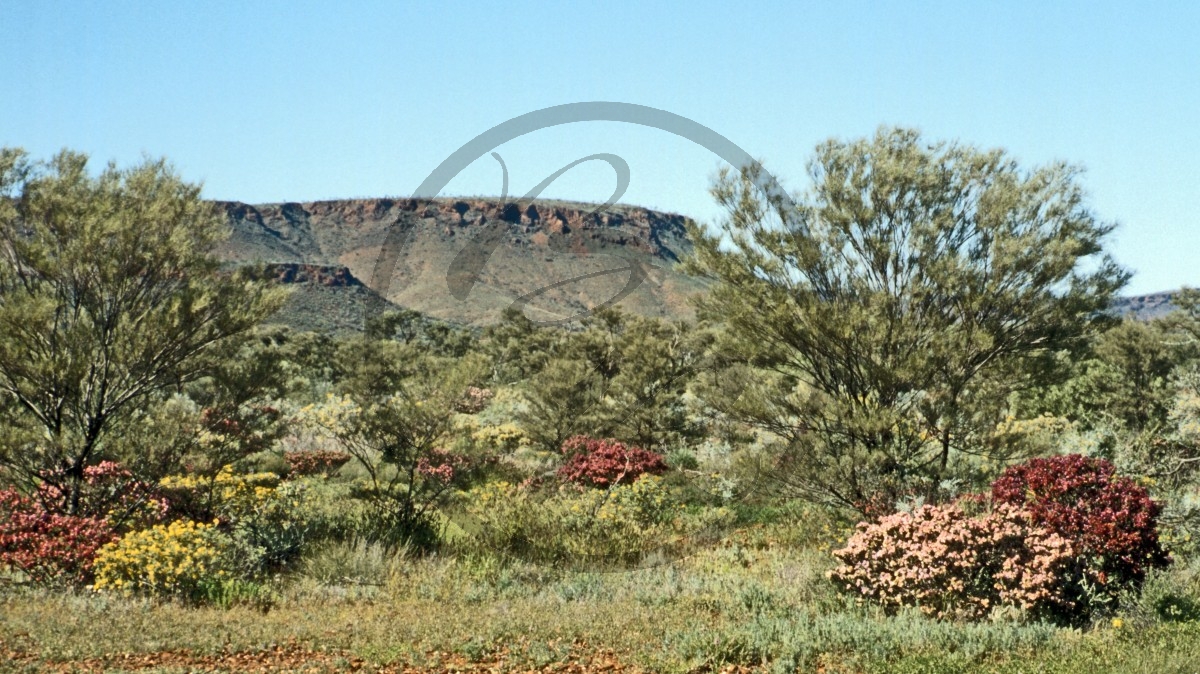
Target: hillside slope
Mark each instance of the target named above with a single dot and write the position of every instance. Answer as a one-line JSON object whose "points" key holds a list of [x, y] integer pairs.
{"points": [[323, 298], [540, 247]]}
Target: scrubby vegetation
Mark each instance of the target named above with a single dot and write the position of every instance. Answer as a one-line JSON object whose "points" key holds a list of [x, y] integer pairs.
{"points": [[902, 436]]}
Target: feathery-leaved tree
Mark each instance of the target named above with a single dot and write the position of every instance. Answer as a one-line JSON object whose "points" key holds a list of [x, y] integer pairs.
{"points": [[882, 318], [109, 295]]}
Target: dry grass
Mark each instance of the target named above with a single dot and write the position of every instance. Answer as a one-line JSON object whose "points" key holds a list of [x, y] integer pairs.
{"points": [[733, 608]]}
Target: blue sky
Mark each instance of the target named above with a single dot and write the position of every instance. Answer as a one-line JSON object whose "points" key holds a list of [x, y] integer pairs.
{"points": [[301, 101]]}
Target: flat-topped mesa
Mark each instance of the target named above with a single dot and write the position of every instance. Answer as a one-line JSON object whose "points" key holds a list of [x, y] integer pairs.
{"points": [[317, 232], [556, 216], [539, 245], [553, 216]]}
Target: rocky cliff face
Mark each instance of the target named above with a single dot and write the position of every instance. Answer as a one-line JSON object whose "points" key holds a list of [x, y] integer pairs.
{"points": [[540, 247]]}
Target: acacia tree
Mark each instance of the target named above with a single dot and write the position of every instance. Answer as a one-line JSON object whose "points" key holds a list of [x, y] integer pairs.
{"points": [[890, 310], [561, 401], [621, 377], [1185, 321], [395, 416], [109, 295]]}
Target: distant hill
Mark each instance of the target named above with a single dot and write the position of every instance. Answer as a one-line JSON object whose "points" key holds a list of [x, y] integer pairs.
{"points": [[329, 250], [1145, 307]]}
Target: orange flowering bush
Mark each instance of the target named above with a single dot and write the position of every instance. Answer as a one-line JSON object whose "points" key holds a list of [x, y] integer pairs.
{"points": [[952, 564]]}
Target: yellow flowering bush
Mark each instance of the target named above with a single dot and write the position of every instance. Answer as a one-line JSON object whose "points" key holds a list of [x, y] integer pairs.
{"points": [[175, 559], [503, 439], [228, 495], [264, 516]]}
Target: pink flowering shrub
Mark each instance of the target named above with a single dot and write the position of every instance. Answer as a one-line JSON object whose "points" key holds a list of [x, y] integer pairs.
{"points": [[442, 466], [474, 400], [1065, 538], [602, 463], [1111, 520], [48, 547], [951, 564], [109, 492]]}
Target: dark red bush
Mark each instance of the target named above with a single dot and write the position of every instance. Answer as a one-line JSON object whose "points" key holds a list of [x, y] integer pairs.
{"points": [[1110, 519], [602, 463], [50, 548], [315, 462]]}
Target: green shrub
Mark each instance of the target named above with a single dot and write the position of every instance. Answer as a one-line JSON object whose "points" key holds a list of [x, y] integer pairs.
{"points": [[1171, 595], [619, 525], [230, 592], [682, 459]]}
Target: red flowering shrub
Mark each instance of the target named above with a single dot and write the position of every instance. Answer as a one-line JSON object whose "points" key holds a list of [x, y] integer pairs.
{"points": [[315, 462], [601, 463], [109, 492], [950, 564], [50, 548], [443, 466], [1110, 519]]}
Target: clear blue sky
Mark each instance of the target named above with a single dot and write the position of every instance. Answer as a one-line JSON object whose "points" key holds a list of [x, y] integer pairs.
{"points": [[302, 101]]}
